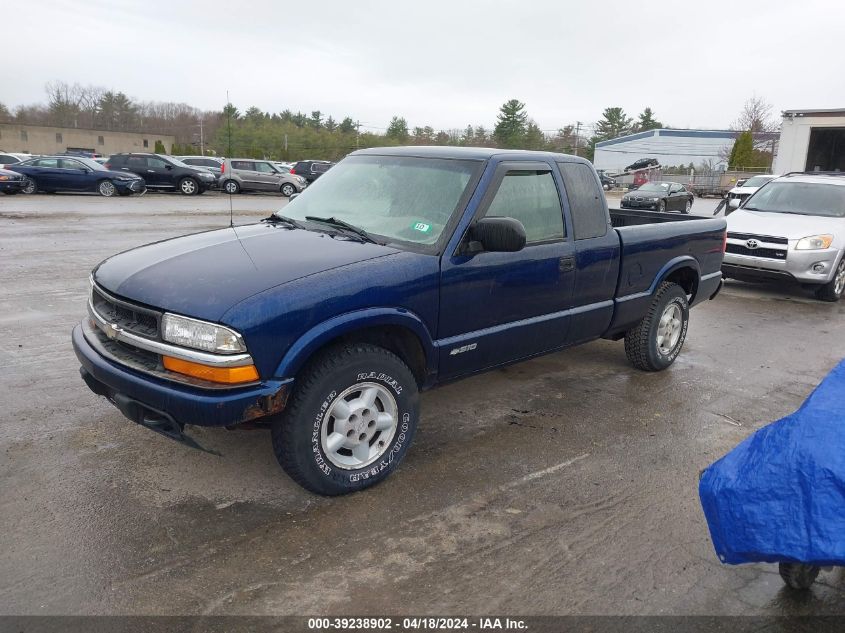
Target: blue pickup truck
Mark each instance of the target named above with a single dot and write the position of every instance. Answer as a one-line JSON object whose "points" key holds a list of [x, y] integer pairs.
{"points": [[398, 270]]}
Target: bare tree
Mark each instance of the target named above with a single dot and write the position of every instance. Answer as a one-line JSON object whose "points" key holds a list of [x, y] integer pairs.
{"points": [[756, 117]]}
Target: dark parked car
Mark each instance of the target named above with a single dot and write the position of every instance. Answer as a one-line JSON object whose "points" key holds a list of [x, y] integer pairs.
{"points": [[643, 163], [408, 267], [311, 169], [164, 173], [662, 196], [11, 182], [607, 182], [63, 173]]}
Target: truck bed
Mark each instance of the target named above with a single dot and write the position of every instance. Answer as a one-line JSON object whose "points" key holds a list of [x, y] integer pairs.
{"points": [[632, 217]]}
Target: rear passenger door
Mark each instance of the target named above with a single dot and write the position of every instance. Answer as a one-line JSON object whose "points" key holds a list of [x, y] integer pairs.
{"points": [[499, 307], [596, 253]]}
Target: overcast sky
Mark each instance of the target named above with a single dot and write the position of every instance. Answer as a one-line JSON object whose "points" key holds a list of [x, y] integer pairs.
{"points": [[435, 62]]}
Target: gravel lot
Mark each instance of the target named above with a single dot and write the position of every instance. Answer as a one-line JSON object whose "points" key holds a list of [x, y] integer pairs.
{"points": [[563, 485]]}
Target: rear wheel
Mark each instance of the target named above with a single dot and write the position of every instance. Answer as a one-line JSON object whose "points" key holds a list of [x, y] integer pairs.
{"points": [[656, 341], [188, 186], [106, 188], [832, 290], [798, 575], [231, 187], [350, 421]]}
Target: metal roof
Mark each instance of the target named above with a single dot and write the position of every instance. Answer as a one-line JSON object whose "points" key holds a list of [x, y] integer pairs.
{"points": [[822, 112], [726, 134]]}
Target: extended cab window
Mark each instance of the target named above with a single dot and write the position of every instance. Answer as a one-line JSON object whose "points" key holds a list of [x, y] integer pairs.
{"points": [[586, 201], [530, 197]]}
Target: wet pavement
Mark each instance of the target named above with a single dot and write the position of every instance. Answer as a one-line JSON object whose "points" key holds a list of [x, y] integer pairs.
{"points": [[563, 485]]}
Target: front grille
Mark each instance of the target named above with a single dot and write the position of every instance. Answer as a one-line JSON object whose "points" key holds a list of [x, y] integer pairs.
{"points": [[759, 238], [135, 319], [769, 253]]}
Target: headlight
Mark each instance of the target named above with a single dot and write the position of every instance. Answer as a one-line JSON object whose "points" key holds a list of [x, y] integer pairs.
{"points": [[654, 199], [5, 178], [201, 335], [814, 243]]}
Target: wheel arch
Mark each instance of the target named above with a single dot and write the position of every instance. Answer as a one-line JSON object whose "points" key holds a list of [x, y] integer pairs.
{"points": [[684, 271], [399, 331]]}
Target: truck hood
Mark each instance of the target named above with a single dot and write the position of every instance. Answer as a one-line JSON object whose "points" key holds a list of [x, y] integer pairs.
{"points": [[204, 275], [790, 226]]}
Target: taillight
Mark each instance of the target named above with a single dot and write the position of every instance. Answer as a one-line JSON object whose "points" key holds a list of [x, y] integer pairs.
{"points": [[222, 168], [725, 242], [293, 170]]}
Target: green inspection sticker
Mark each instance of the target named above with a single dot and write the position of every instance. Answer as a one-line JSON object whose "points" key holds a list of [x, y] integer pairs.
{"points": [[422, 227]]}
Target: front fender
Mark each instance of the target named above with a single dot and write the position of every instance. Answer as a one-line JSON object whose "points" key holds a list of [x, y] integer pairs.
{"points": [[318, 336]]}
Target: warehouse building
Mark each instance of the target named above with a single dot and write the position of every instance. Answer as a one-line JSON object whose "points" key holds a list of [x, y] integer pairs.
{"points": [[669, 147], [811, 140], [39, 139]]}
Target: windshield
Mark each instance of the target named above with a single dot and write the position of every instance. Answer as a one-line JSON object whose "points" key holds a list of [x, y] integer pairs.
{"points": [[804, 198], [399, 198], [654, 186], [756, 181]]}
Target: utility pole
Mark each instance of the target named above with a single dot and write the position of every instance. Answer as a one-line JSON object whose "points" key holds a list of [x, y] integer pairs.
{"points": [[357, 133], [577, 136], [286, 144], [202, 140]]}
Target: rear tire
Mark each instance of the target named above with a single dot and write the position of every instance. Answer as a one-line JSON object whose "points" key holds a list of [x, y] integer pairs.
{"points": [[798, 575], [350, 421], [231, 187], [656, 341], [832, 291]]}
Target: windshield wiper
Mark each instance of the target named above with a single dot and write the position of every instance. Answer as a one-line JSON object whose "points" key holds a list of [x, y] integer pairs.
{"points": [[284, 219], [333, 221]]}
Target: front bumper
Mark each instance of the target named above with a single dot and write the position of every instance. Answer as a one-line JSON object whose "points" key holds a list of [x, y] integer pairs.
{"points": [[798, 265], [11, 185], [634, 204], [132, 186], [182, 403]]}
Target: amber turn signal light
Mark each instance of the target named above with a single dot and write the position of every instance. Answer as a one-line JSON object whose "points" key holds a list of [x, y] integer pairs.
{"points": [[228, 375]]}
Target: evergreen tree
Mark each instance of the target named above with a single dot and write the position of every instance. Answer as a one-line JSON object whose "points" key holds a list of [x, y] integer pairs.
{"points": [[316, 120], [159, 148], [614, 123], [346, 126], [534, 137], [330, 124], [511, 124], [742, 153], [398, 129], [230, 110], [647, 121]]}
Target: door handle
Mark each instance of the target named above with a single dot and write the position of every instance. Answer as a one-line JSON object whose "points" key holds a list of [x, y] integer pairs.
{"points": [[566, 264]]}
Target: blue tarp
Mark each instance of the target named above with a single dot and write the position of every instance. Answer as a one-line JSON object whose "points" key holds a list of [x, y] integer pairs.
{"points": [[780, 495]]}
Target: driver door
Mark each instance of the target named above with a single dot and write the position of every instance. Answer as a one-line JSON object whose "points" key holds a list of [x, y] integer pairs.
{"points": [[498, 307]]}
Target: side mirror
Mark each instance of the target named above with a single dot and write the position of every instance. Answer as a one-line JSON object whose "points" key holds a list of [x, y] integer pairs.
{"points": [[168, 167], [496, 235], [733, 203]]}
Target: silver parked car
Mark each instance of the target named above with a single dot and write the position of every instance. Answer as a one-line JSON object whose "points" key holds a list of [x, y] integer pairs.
{"points": [[792, 228], [248, 174], [208, 163]]}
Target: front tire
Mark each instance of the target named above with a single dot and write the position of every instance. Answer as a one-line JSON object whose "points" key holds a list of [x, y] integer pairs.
{"points": [[29, 186], [687, 207], [656, 341], [661, 206], [288, 190], [106, 188], [798, 575], [189, 186], [350, 421], [832, 291]]}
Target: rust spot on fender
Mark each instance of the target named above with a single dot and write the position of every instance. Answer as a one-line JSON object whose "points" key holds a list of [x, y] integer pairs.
{"points": [[267, 405]]}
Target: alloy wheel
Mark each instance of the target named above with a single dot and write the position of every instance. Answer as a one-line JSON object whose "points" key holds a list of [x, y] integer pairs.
{"points": [[669, 329]]}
